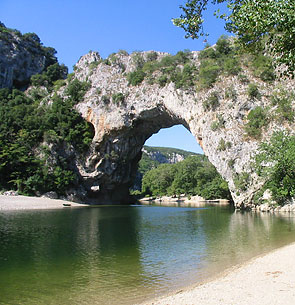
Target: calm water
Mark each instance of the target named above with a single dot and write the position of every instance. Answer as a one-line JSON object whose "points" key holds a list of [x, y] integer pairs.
{"points": [[124, 255]]}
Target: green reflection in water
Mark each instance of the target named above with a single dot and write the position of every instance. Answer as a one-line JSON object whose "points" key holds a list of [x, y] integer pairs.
{"points": [[123, 255]]}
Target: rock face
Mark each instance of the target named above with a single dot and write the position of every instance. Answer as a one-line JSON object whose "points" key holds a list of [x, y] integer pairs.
{"points": [[20, 57], [165, 155], [122, 125]]}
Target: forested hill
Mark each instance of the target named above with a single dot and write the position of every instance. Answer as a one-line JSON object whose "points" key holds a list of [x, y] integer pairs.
{"points": [[152, 157]]}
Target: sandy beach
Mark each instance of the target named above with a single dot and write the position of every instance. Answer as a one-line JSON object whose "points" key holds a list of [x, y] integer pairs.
{"points": [[10, 203], [266, 280]]}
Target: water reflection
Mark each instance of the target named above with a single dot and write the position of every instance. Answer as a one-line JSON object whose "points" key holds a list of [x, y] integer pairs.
{"points": [[122, 255]]}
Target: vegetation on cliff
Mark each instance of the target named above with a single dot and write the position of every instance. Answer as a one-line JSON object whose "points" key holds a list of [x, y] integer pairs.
{"points": [[39, 128], [255, 23]]}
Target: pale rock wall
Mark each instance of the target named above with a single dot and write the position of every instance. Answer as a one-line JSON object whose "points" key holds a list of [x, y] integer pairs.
{"points": [[121, 129]]}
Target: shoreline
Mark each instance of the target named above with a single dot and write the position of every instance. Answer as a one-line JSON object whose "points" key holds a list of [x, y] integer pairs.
{"points": [[267, 279], [22, 203]]}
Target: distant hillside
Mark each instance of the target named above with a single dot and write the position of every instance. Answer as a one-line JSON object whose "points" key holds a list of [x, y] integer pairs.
{"points": [[152, 157]]}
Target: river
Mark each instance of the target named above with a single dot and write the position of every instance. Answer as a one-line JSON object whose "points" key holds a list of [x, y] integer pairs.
{"points": [[126, 254]]}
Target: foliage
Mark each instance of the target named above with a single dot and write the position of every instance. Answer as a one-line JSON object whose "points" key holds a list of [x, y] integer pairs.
{"points": [[263, 67], [241, 181], [212, 102], [253, 22], [25, 124], [283, 100], [222, 145], [193, 176], [222, 59], [208, 73], [217, 124], [118, 98], [136, 77], [176, 69], [47, 78], [76, 90], [257, 119], [253, 91], [275, 161]]}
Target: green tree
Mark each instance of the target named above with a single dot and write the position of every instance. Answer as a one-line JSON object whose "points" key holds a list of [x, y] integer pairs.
{"points": [[275, 161], [254, 22]]}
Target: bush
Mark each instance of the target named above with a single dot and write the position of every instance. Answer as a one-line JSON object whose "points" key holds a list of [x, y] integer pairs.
{"points": [[208, 74], [283, 101], [219, 123], [223, 45], [135, 78], [275, 161], [241, 181], [152, 56], [257, 119], [232, 66], [162, 80], [262, 68], [212, 102], [76, 90], [231, 93], [118, 98], [253, 92]]}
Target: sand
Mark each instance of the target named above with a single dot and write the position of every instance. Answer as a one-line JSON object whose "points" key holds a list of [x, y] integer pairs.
{"points": [[266, 280], [10, 203]]}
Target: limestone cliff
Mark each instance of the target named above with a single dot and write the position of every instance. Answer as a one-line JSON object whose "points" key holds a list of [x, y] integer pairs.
{"points": [[21, 56], [124, 116], [130, 97]]}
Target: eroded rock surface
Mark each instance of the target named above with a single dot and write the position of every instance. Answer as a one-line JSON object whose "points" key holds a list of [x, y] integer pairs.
{"points": [[122, 126], [21, 56]]}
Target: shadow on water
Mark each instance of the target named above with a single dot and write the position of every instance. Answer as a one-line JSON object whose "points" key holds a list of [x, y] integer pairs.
{"points": [[123, 255]]}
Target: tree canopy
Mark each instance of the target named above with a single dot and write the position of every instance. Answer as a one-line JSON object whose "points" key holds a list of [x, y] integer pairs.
{"points": [[256, 24]]}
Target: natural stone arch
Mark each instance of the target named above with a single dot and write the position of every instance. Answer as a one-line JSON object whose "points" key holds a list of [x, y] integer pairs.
{"points": [[122, 127]]}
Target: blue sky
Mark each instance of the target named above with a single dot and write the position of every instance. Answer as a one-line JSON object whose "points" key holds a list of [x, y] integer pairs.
{"points": [[74, 27]]}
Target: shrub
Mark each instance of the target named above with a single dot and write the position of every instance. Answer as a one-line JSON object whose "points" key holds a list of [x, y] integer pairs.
{"points": [[223, 45], [232, 66], [212, 102], [208, 74], [219, 123], [76, 90], [118, 98], [257, 119], [162, 80], [152, 56], [135, 78], [105, 99], [123, 52], [207, 53], [253, 92], [275, 161], [138, 60], [93, 65], [222, 145], [241, 181], [243, 78], [283, 101], [262, 66], [231, 93]]}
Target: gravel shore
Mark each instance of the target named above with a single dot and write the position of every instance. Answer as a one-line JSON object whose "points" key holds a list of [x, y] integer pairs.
{"points": [[266, 280], [10, 203]]}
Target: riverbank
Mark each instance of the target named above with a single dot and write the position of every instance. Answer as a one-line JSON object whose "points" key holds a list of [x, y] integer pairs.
{"points": [[266, 280], [183, 201], [12, 203]]}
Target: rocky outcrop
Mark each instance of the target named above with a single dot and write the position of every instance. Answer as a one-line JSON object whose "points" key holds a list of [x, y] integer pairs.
{"points": [[122, 125], [165, 155], [128, 101], [21, 56]]}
